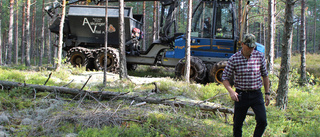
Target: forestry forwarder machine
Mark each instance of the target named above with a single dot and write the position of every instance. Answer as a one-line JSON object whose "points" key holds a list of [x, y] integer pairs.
{"points": [[213, 37]]}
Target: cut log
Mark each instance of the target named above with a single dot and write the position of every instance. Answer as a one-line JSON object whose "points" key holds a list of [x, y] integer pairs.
{"points": [[207, 106]]}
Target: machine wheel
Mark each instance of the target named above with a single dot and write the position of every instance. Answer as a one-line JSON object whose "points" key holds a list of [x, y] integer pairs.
{"points": [[132, 66], [78, 56], [197, 69], [215, 73], [112, 62]]}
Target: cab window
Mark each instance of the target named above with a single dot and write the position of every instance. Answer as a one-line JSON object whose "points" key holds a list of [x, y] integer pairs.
{"points": [[224, 25], [202, 21]]}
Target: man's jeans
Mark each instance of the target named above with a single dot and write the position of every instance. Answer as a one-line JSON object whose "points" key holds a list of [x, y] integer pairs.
{"points": [[253, 99]]}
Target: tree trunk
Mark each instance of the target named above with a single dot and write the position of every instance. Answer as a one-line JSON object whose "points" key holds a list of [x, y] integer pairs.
{"points": [[303, 76], [239, 15], [28, 39], [154, 21], [16, 43], [279, 42], [144, 27], [61, 35], [105, 46], [0, 33], [42, 35], [315, 26], [10, 34], [104, 95], [188, 41], [282, 92], [270, 39], [23, 38], [49, 47], [298, 43], [34, 44], [123, 62]]}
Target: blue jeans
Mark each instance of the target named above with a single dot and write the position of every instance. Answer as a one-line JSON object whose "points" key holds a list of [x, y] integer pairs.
{"points": [[253, 99]]}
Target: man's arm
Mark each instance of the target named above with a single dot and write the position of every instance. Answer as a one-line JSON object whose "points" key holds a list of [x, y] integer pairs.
{"points": [[233, 94], [266, 89]]}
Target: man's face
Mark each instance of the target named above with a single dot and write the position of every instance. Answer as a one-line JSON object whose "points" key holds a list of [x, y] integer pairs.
{"points": [[246, 50]]}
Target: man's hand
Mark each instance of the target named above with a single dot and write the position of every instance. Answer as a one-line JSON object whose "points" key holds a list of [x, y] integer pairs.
{"points": [[267, 100], [234, 96]]}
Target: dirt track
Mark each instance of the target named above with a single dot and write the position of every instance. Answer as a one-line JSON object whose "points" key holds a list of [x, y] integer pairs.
{"points": [[97, 77]]}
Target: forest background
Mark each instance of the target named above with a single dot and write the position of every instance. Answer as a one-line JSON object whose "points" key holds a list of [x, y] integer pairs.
{"points": [[43, 51]]}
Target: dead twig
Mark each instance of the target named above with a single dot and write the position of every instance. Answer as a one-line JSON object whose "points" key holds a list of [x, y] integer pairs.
{"points": [[98, 101], [82, 99], [215, 96], [119, 95], [149, 95], [86, 82], [35, 94], [68, 83], [48, 79], [140, 104], [116, 110]]}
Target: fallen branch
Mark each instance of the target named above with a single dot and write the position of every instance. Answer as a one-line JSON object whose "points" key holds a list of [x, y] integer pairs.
{"points": [[86, 82], [48, 79], [208, 106]]}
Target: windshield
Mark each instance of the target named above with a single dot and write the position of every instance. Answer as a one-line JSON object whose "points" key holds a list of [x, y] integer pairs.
{"points": [[203, 21], [224, 25]]}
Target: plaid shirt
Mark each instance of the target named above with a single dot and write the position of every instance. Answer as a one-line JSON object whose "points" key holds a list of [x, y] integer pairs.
{"points": [[248, 72]]}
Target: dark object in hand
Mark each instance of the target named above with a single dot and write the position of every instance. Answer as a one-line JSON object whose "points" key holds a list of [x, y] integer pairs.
{"points": [[239, 97]]}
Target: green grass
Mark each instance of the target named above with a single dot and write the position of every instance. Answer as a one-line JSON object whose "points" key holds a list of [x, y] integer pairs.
{"points": [[312, 61]]}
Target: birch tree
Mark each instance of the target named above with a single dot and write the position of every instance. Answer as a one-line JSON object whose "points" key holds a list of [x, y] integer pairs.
{"points": [[61, 35], [42, 36], [105, 46], [10, 34], [282, 92], [270, 39], [123, 62], [188, 41], [303, 46], [28, 34]]}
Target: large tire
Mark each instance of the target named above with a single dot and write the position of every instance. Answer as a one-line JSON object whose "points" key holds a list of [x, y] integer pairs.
{"points": [[113, 59], [215, 73], [78, 56], [197, 69]]}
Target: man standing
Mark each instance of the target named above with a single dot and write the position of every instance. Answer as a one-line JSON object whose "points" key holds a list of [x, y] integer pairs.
{"points": [[248, 66]]}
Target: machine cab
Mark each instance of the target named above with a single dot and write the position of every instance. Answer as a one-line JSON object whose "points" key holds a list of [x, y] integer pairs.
{"points": [[213, 36], [214, 19]]}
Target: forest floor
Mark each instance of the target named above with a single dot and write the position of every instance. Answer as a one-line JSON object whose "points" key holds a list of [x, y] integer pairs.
{"points": [[28, 112]]}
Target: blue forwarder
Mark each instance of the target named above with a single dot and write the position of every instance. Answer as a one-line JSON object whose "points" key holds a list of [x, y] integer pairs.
{"points": [[214, 38]]}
